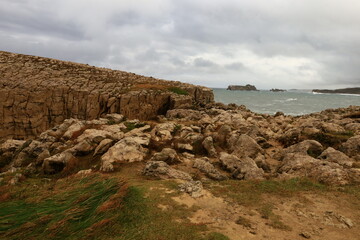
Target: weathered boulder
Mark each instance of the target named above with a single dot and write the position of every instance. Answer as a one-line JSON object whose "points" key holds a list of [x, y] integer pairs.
{"points": [[128, 149], [332, 155], [208, 144], [241, 168], [193, 188], [83, 148], [245, 146], [187, 114], [167, 155], [162, 170], [114, 118], [74, 130], [7, 150], [206, 167], [301, 165], [94, 136], [223, 134], [30, 151], [103, 146], [162, 131], [57, 162], [351, 147], [307, 147]]}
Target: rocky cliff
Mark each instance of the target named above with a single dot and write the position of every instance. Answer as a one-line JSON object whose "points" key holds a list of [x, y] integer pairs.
{"points": [[37, 93]]}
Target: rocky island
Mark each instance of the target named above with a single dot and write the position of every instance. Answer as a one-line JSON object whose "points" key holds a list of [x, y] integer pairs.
{"points": [[247, 87], [277, 90], [339, 91], [94, 153]]}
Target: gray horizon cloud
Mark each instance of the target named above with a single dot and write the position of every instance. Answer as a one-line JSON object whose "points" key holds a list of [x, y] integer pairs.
{"points": [[272, 44]]}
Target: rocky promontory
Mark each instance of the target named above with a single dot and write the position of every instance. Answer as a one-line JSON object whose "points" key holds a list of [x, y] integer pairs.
{"points": [[339, 91], [37, 93], [110, 136], [247, 87]]}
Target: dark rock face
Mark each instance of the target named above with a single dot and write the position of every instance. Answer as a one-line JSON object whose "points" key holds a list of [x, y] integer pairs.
{"points": [[37, 93], [342, 90], [247, 87]]}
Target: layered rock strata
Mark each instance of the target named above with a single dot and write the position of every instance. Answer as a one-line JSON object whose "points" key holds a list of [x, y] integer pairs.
{"points": [[37, 93]]}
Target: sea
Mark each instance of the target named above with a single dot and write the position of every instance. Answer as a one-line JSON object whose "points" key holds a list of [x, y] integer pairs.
{"points": [[291, 102]]}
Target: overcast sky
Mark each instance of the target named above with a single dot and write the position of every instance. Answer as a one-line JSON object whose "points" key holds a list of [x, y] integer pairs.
{"points": [[268, 43]]}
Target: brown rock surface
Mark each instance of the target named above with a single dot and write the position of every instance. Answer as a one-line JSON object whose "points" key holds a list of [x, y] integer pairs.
{"points": [[37, 93]]}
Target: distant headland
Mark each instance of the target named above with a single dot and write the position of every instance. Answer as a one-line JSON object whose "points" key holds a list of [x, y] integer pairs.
{"points": [[247, 87], [342, 90]]}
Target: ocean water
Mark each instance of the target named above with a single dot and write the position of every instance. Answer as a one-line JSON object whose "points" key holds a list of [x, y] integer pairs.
{"points": [[295, 102]]}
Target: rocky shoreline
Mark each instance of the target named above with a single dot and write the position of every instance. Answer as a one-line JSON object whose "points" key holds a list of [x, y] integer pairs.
{"points": [[219, 142], [97, 140]]}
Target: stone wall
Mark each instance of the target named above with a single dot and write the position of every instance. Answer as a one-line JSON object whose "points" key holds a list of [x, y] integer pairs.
{"points": [[37, 93]]}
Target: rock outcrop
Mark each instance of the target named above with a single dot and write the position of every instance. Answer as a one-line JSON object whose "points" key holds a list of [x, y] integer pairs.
{"points": [[247, 87], [339, 91], [38, 93]]}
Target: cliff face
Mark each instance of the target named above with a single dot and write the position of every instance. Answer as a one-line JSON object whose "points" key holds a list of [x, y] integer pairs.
{"points": [[37, 93]]}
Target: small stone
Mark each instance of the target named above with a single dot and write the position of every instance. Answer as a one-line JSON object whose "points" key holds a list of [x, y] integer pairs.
{"points": [[305, 235]]}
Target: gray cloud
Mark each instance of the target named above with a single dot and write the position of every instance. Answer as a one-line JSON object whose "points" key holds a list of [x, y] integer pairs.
{"points": [[283, 44]]}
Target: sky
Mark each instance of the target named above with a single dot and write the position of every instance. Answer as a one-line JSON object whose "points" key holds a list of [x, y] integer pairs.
{"points": [[287, 44]]}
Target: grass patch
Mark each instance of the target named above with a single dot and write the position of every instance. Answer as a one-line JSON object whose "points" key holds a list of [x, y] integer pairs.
{"points": [[131, 125], [217, 236], [274, 220], [97, 207], [178, 90], [244, 222], [251, 193], [64, 214]]}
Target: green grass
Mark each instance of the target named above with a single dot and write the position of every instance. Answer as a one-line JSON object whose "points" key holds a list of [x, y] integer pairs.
{"points": [[97, 207], [274, 220], [178, 91], [131, 125], [251, 193]]}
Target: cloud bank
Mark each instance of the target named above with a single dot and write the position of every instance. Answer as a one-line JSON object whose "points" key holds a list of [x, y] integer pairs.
{"points": [[270, 43]]}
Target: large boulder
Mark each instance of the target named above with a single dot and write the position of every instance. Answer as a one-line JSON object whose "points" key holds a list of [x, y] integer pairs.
{"points": [[352, 147], [162, 131], [301, 165], [332, 155], [74, 130], [94, 136], [307, 147], [7, 150], [31, 150], [206, 167], [162, 170], [57, 162], [128, 149], [103, 146], [241, 168], [246, 146], [167, 155], [208, 144]]}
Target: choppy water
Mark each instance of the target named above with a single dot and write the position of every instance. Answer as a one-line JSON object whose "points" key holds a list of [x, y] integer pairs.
{"points": [[290, 102]]}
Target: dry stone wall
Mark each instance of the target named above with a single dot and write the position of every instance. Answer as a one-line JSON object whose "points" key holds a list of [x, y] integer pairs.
{"points": [[37, 93]]}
